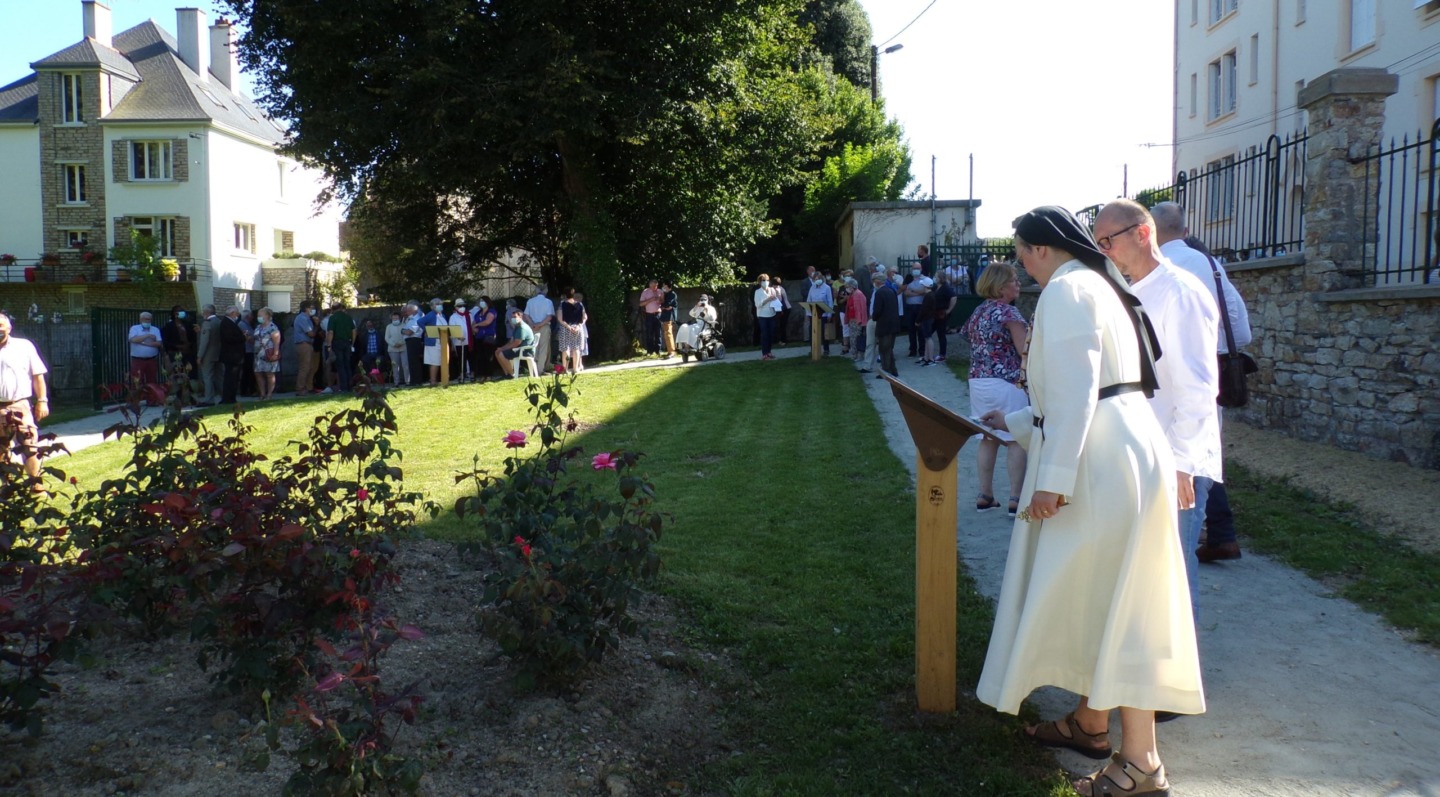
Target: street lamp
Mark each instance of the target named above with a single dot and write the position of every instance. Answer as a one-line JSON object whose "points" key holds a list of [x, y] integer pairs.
{"points": [[875, 68]]}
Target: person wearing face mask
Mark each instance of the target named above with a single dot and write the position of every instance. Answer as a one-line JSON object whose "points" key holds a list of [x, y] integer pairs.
{"points": [[232, 354], [22, 379], [914, 292], [540, 313], [145, 348], [414, 336], [178, 336], [267, 353], [818, 291], [522, 337], [483, 337], [767, 307], [434, 318], [212, 372], [460, 344], [669, 304], [395, 346], [305, 330]]}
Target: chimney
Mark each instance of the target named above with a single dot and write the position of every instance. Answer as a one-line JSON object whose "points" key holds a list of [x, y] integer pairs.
{"points": [[194, 44], [97, 21], [223, 63]]}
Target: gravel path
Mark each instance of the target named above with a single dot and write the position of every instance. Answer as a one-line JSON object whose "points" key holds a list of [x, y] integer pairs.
{"points": [[1308, 695]]}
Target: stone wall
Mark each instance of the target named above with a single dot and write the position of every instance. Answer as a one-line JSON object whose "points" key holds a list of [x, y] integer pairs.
{"points": [[1340, 363]]}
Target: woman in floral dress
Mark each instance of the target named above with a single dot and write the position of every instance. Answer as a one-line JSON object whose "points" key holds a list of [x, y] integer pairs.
{"points": [[997, 331], [267, 353]]}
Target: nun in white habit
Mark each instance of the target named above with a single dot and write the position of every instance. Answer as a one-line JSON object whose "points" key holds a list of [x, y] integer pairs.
{"points": [[1095, 598]]}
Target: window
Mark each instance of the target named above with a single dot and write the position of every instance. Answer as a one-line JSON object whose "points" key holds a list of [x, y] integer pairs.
{"points": [[71, 100], [1193, 82], [1222, 86], [280, 173], [1362, 23], [1219, 8], [74, 184], [150, 160], [1254, 58], [1220, 189], [161, 229], [245, 237], [77, 239]]}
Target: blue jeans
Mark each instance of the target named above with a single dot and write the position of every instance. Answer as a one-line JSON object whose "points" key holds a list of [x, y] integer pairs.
{"points": [[1190, 522], [767, 333]]}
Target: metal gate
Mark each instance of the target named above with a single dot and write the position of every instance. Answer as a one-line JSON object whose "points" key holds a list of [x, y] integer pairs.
{"points": [[110, 349]]}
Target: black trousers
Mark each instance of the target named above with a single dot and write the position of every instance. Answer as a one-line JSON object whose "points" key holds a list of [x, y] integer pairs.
{"points": [[230, 381], [652, 333], [887, 353], [415, 350]]}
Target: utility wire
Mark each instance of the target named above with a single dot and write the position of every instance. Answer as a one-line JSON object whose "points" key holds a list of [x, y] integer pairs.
{"points": [[907, 27]]}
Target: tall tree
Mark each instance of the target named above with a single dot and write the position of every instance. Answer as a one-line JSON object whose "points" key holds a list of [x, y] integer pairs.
{"points": [[613, 138]]}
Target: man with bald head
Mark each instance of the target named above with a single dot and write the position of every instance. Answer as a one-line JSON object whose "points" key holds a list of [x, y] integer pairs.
{"points": [[145, 346], [1186, 322]]}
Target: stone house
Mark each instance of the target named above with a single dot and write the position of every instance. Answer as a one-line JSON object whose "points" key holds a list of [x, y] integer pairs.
{"points": [[145, 130]]}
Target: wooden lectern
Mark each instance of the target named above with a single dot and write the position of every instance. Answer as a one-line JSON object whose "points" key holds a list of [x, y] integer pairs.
{"points": [[817, 326], [939, 434], [443, 332]]}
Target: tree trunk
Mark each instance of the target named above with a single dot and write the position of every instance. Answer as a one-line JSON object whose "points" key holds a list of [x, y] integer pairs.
{"points": [[596, 263]]}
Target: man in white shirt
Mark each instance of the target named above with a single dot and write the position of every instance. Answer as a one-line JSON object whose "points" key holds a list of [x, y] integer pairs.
{"points": [[460, 344], [1171, 230], [539, 312], [145, 346], [1186, 322], [22, 378]]}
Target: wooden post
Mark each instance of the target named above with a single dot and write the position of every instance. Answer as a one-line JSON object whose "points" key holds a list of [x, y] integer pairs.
{"points": [[939, 434], [817, 328], [935, 591], [442, 331]]}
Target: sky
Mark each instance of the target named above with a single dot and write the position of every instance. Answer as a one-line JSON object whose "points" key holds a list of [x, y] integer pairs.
{"points": [[1053, 99]]}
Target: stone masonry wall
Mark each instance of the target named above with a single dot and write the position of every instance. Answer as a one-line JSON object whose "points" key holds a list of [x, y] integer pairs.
{"points": [[62, 144]]}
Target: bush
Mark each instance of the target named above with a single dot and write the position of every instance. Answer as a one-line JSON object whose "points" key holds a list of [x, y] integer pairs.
{"points": [[568, 560], [38, 589]]}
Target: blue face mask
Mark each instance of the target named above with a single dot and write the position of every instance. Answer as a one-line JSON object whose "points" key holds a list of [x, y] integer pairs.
{"points": [[180, 315]]}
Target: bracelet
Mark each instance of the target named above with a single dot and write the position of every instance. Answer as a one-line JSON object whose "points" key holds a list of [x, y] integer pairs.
{"points": [[42, 401]]}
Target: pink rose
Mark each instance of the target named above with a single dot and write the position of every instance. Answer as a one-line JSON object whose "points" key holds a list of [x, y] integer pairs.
{"points": [[363, 494], [514, 439], [603, 461]]}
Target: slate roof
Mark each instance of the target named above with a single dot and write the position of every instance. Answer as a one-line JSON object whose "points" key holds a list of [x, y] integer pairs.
{"points": [[91, 53], [168, 90], [20, 101]]}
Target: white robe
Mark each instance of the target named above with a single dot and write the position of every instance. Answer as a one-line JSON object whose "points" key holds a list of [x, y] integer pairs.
{"points": [[1095, 599]]}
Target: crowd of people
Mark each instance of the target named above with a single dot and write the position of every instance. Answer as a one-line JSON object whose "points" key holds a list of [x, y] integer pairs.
{"points": [[239, 352]]}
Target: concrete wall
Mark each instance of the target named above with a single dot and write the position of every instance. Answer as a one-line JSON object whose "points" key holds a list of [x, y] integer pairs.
{"points": [[888, 233]]}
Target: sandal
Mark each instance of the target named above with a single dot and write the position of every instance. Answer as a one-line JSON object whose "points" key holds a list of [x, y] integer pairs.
{"points": [[1067, 733], [985, 503], [1142, 783], [1014, 506]]}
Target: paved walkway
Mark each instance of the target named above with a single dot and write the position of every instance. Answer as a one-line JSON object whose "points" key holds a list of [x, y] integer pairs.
{"points": [[1308, 695]]}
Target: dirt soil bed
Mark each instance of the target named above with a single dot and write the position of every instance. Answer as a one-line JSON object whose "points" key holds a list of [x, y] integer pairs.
{"points": [[146, 721], [1395, 498]]}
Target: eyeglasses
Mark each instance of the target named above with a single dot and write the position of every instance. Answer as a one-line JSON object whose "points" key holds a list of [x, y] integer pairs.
{"points": [[1109, 240]]}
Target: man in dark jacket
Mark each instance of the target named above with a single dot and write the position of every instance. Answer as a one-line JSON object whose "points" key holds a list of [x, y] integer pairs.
{"points": [[232, 353], [885, 313]]}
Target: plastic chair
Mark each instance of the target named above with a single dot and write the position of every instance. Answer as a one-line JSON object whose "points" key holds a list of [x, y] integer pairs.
{"points": [[525, 355]]}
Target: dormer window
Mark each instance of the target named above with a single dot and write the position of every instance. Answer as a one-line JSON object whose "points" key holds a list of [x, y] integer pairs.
{"points": [[151, 160], [71, 100]]}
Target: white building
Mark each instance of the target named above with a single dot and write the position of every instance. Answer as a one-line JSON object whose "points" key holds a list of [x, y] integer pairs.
{"points": [[1240, 63], [889, 231], [148, 131]]}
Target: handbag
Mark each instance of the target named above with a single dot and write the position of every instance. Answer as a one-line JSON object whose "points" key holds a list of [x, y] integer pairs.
{"points": [[272, 354], [1235, 366]]}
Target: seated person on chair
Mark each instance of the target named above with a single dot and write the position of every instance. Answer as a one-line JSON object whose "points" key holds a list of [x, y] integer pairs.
{"points": [[705, 316], [522, 339]]}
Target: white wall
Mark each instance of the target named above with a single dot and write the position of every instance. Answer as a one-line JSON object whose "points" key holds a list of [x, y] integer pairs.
{"points": [[21, 227], [1291, 49], [245, 181], [159, 199], [887, 234]]}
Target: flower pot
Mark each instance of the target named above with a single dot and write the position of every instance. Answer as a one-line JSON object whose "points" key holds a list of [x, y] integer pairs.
{"points": [[29, 273]]}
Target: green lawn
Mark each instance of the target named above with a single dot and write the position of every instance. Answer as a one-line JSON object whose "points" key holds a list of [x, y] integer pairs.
{"points": [[791, 551]]}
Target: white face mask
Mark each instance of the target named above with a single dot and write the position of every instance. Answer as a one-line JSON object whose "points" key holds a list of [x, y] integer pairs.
{"points": [[915, 272], [483, 305], [764, 283]]}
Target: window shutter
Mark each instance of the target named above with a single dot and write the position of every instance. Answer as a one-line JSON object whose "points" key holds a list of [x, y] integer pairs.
{"points": [[120, 161]]}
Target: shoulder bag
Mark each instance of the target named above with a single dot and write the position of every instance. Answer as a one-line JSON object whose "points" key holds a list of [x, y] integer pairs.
{"points": [[1235, 366]]}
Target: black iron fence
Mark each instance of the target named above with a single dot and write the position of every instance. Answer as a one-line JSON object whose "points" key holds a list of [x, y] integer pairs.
{"points": [[1402, 198], [1244, 206]]}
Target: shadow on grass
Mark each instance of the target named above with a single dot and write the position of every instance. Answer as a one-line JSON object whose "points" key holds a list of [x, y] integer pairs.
{"points": [[792, 552]]}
